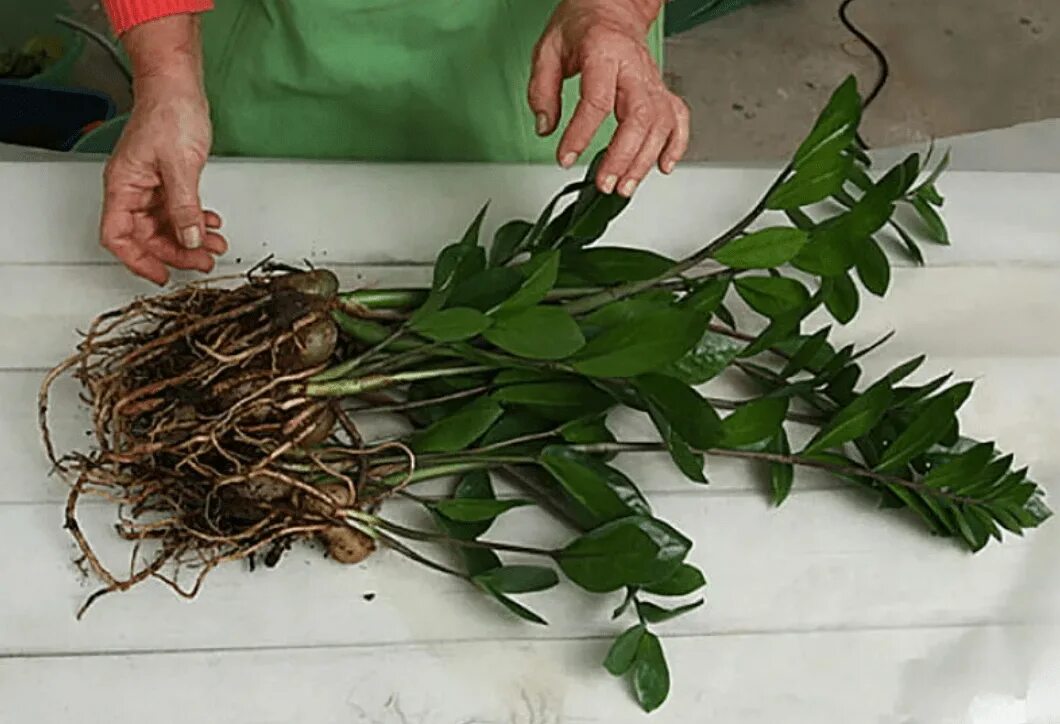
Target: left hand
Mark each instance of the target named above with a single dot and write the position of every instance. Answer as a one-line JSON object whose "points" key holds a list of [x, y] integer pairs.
{"points": [[604, 41]]}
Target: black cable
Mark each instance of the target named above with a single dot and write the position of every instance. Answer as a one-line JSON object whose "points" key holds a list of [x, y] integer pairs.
{"points": [[884, 68]]}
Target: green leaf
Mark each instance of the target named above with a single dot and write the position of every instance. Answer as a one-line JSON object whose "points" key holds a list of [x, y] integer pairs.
{"points": [[711, 355], [762, 249], [960, 469], [808, 352], [651, 677], [587, 430], [905, 369], [754, 422], [931, 195], [452, 325], [772, 296], [622, 652], [602, 493], [516, 423], [479, 560], [911, 247], [544, 219], [459, 429], [508, 241], [854, 420], [615, 265], [829, 250], [706, 297], [470, 238], [632, 551], [873, 268], [653, 613], [515, 607], [937, 171], [841, 298], [487, 289], [475, 485], [685, 580], [591, 218], [564, 399], [781, 475], [536, 333], [455, 264], [936, 227], [645, 344], [834, 128], [686, 411], [538, 284], [808, 186], [689, 462], [779, 330], [474, 510], [518, 579], [930, 424], [625, 311]]}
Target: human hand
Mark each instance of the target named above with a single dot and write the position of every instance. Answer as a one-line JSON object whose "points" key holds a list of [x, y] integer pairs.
{"points": [[604, 41], [152, 217]]}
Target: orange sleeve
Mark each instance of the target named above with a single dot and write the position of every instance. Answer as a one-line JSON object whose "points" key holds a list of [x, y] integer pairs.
{"points": [[125, 14]]}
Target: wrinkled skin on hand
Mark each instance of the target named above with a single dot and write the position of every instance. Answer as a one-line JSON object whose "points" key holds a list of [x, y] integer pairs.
{"points": [[604, 42]]}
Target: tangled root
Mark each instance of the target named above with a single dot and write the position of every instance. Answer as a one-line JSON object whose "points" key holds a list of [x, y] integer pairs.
{"points": [[203, 436]]}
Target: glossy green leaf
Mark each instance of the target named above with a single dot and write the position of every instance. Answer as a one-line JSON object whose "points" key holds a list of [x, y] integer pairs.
{"points": [[653, 613], [470, 238], [536, 333], [479, 560], [933, 223], [591, 219], [518, 579], [809, 351], [615, 265], [688, 461], [452, 325], [563, 399], [754, 422], [623, 651], [705, 298], [872, 266], [962, 468], [905, 369], [459, 429], [516, 423], [486, 289], [911, 247], [601, 492], [686, 411], [544, 220], [632, 551], [474, 510], [587, 430], [651, 677], [772, 296], [475, 485], [625, 311], [854, 420], [841, 298], [834, 129], [508, 241], [711, 355], [645, 344], [685, 580], [515, 607], [455, 264], [930, 424], [810, 186], [762, 249], [781, 475], [537, 285]]}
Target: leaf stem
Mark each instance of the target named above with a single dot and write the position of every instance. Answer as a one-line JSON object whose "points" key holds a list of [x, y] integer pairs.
{"points": [[350, 387], [431, 536]]}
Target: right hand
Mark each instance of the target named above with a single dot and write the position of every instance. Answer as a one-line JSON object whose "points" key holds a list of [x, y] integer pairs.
{"points": [[152, 217]]}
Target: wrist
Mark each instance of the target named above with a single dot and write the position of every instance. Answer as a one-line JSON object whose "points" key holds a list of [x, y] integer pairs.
{"points": [[166, 55]]}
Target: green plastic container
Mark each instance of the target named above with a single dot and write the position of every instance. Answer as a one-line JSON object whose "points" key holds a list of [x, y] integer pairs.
{"points": [[103, 138], [22, 20]]}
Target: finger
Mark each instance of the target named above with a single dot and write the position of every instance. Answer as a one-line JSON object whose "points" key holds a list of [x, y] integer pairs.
{"points": [[138, 260], [215, 243], [544, 93], [213, 220], [168, 252], [180, 178], [678, 143], [595, 105], [646, 158], [634, 127]]}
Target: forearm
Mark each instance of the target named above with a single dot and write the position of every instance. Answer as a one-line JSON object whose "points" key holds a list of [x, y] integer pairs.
{"points": [[166, 51]]}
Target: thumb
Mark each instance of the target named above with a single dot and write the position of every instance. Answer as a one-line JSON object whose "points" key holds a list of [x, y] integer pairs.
{"points": [[546, 85], [180, 181]]}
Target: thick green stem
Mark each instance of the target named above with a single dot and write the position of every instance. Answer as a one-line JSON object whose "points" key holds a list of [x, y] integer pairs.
{"points": [[358, 385], [385, 298], [442, 470], [431, 536]]}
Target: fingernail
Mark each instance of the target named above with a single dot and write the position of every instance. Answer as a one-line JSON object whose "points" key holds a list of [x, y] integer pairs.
{"points": [[609, 184], [542, 124], [668, 166], [191, 237], [569, 160], [629, 187]]}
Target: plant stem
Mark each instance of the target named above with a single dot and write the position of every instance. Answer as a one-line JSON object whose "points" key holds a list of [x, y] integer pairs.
{"points": [[350, 387], [386, 298], [622, 291], [440, 470], [417, 404], [431, 536], [345, 368], [409, 553]]}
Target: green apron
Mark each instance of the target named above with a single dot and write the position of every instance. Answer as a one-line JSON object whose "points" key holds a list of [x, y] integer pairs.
{"points": [[383, 80]]}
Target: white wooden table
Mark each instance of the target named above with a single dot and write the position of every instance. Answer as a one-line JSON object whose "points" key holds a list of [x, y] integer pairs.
{"points": [[825, 610]]}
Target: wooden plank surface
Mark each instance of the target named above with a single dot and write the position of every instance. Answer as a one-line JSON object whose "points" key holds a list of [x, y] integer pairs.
{"points": [[826, 609]]}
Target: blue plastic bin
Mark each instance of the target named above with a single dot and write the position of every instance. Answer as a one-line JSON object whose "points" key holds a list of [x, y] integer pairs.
{"points": [[47, 116]]}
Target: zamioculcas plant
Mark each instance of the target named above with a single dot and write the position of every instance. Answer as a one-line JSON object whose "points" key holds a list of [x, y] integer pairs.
{"points": [[229, 420]]}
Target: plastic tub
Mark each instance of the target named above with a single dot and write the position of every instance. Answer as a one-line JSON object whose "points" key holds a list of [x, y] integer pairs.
{"points": [[47, 116], [103, 138]]}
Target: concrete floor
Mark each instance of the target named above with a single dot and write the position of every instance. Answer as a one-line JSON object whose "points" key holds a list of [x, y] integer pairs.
{"points": [[755, 78]]}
